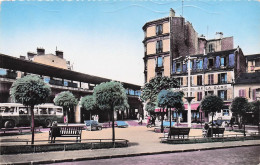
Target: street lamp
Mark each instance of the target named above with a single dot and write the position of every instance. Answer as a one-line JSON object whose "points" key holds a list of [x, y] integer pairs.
{"points": [[189, 98]]}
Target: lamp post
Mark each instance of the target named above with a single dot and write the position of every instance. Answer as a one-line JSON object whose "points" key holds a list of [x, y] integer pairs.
{"points": [[189, 98]]}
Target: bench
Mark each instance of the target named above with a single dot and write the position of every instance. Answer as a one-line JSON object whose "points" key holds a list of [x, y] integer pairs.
{"points": [[179, 132], [19, 129], [216, 131], [65, 131]]}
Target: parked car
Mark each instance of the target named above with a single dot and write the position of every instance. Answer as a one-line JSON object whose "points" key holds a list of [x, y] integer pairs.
{"points": [[93, 125]]}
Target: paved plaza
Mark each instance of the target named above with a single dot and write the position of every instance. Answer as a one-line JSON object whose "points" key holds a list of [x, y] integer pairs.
{"points": [[142, 141]]}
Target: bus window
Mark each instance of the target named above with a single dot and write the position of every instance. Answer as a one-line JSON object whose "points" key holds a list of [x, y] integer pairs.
{"points": [[43, 110], [23, 110], [59, 111], [51, 111], [8, 109]]}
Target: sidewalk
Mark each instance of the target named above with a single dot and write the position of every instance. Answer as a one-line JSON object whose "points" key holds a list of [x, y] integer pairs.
{"points": [[142, 141]]}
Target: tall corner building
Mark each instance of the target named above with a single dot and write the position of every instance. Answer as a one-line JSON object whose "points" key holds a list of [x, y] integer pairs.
{"points": [[215, 66], [172, 37]]}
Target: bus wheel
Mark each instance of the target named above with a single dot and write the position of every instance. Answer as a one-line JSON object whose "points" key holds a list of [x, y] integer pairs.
{"points": [[48, 123], [9, 124]]}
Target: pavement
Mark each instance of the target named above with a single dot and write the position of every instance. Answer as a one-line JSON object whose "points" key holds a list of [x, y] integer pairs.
{"points": [[142, 141]]}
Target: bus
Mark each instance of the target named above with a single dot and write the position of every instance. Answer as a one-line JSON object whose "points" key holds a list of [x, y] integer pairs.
{"points": [[15, 114]]}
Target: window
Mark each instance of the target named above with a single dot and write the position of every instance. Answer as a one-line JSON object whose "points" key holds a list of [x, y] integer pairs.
{"points": [[178, 67], [159, 62], [199, 96], [180, 80], [222, 78], [46, 79], [159, 46], [3, 72], [199, 80], [159, 29], [190, 80], [211, 63], [211, 79], [254, 94], [225, 112], [222, 94], [199, 64], [257, 62], [145, 49], [242, 93], [211, 48], [223, 61]]}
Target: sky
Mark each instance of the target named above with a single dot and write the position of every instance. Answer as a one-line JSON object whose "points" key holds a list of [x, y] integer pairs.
{"points": [[104, 37]]}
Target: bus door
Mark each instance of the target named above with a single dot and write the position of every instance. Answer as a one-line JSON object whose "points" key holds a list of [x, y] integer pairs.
{"points": [[24, 116]]}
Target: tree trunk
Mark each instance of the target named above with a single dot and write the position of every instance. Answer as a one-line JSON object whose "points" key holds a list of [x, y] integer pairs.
{"points": [[212, 125], [170, 118], [162, 123], [32, 122], [244, 127], [108, 119], [177, 114], [113, 127], [67, 116]]}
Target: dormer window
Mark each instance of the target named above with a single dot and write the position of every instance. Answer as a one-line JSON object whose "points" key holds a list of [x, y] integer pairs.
{"points": [[211, 48], [178, 67], [159, 29]]}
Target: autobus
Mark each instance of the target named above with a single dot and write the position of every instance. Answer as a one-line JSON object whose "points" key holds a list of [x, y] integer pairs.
{"points": [[15, 114]]}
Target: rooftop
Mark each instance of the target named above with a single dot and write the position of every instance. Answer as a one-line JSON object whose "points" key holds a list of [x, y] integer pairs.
{"points": [[248, 78]]}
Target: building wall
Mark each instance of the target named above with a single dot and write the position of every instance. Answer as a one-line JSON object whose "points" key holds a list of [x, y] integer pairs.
{"points": [[248, 88], [150, 69], [227, 43], [166, 45], [52, 60], [166, 27], [151, 48], [151, 31], [166, 66]]}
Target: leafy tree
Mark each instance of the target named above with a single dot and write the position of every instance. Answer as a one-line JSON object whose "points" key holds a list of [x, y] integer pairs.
{"points": [[30, 91], [211, 104], [169, 99], [109, 95], [155, 85], [255, 109], [88, 103], [240, 107], [150, 107], [67, 100]]}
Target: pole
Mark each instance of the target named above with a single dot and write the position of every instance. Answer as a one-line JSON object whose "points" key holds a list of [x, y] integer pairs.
{"points": [[189, 102]]}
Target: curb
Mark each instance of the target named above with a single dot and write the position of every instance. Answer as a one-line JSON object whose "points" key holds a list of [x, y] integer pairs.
{"points": [[129, 155]]}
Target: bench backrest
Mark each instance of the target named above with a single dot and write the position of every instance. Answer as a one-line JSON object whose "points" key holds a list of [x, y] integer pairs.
{"points": [[216, 131], [70, 130], [179, 131]]}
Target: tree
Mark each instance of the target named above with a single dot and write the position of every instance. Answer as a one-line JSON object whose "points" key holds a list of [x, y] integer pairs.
{"points": [[240, 107], [211, 104], [67, 100], [109, 95], [88, 103], [150, 106], [155, 85], [169, 99], [30, 91]]}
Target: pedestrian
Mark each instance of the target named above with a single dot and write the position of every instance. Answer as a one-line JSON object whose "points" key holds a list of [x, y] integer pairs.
{"points": [[55, 132], [153, 120], [148, 121], [205, 130], [140, 120]]}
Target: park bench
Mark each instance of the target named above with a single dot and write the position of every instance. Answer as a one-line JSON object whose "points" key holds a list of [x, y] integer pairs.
{"points": [[19, 129], [178, 132], [216, 132], [65, 131]]}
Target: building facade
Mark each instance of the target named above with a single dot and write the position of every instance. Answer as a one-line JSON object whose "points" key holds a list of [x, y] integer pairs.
{"points": [[61, 78], [214, 69]]}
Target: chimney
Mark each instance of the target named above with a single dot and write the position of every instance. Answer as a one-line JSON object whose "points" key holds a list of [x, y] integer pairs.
{"points": [[59, 53], [219, 35], [22, 57], [40, 51], [30, 55], [172, 13]]}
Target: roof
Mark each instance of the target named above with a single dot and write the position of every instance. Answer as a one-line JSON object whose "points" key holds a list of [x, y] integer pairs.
{"points": [[13, 63], [248, 78], [252, 57], [155, 21], [212, 54]]}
